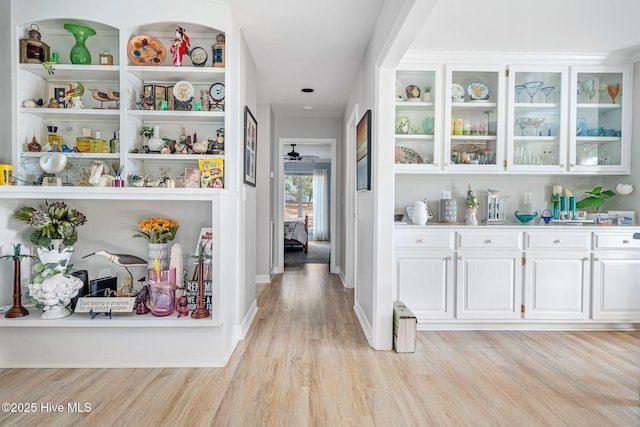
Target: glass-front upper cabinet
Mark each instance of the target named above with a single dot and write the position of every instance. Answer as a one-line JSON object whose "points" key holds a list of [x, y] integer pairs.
{"points": [[418, 127], [473, 136], [600, 131], [537, 122]]}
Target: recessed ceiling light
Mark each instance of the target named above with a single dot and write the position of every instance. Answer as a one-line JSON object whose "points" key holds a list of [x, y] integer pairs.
{"points": [[307, 90], [308, 107]]}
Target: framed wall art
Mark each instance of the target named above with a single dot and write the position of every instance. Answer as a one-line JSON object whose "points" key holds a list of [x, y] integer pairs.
{"points": [[250, 146], [363, 152]]}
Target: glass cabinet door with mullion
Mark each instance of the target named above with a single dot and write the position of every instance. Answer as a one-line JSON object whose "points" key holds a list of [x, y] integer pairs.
{"points": [[537, 122], [600, 131], [474, 111], [418, 132]]}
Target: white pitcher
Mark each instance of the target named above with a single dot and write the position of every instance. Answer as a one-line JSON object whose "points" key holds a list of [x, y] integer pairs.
{"points": [[419, 216]]}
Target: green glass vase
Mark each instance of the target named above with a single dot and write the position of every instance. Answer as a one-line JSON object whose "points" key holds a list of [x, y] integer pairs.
{"points": [[79, 52]]}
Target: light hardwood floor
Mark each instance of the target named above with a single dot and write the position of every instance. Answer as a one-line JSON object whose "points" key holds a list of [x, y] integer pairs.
{"points": [[305, 362]]}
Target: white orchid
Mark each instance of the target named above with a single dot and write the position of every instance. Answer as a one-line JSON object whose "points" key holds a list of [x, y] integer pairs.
{"points": [[624, 189]]}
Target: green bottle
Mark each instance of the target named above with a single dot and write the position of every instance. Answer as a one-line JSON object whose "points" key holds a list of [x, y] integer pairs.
{"points": [[114, 143]]}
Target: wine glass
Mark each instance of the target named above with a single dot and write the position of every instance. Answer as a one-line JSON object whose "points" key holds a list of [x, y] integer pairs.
{"points": [[519, 89], [523, 122], [589, 88], [614, 90], [532, 88], [536, 123], [547, 91]]}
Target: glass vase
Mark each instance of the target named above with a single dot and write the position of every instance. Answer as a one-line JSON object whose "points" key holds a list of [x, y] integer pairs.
{"points": [[79, 52]]}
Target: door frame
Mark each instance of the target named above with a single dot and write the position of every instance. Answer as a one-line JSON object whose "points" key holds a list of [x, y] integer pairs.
{"points": [[278, 185]]}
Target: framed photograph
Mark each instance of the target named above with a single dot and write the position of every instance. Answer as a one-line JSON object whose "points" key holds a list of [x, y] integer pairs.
{"points": [[160, 94], [625, 217], [192, 178], [147, 98], [58, 91], [250, 146], [606, 219], [363, 153]]}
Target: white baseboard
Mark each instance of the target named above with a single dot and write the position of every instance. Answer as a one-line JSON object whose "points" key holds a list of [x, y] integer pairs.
{"points": [[263, 278], [364, 323], [243, 328]]}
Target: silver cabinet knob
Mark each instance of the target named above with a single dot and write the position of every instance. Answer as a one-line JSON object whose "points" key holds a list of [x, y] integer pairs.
{"points": [[488, 241], [557, 241], [420, 241], [626, 242]]}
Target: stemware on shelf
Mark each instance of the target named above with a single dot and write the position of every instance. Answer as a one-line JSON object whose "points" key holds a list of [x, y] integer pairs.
{"points": [[532, 88], [614, 90], [536, 123], [547, 91], [519, 89], [523, 122], [589, 88]]}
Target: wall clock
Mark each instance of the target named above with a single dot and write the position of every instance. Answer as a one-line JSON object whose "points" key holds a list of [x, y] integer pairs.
{"points": [[198, 56], [217, 95]]}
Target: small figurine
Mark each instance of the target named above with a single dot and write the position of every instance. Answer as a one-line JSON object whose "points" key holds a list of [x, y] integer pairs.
{"points": [[180, 46], [141, 299], [34, 146], [181, 306], [53, 103]]}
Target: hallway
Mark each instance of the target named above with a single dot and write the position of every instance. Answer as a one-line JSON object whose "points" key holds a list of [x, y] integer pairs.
{"points": [[306, 362]]}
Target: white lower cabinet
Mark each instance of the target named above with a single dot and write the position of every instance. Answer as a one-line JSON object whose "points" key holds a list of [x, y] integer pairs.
{"points": [[557, 275], [425, 282], [424, 272], [489, 274], [488, 285], [556, 285], [616, 276], [535, 276]]}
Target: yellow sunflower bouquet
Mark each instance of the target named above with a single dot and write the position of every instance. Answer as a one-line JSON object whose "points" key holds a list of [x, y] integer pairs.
{"points": [[157, 230]]}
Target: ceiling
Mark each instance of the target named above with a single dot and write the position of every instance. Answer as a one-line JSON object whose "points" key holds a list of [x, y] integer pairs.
{"points": [[306, 44], [320, 44]]}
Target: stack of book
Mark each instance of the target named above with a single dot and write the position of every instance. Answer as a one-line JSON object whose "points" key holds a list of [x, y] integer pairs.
{"points": [[404, 329]]}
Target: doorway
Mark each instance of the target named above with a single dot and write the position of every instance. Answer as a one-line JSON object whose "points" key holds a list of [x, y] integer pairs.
{"points": [[301, 182]]}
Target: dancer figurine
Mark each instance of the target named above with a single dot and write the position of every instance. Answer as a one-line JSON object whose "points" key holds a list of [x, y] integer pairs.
{"points": [[180, 46]]}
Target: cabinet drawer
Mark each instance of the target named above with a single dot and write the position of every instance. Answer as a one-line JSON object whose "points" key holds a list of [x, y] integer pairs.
{"points": [[494, 239], [423, 239], [560, 240], [617, 240]]}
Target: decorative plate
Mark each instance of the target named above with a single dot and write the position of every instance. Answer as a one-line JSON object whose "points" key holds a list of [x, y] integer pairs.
{"points": [[183, 90], [146, 50], [198, 56], [457, 93], [406, 155], [478, 91]]}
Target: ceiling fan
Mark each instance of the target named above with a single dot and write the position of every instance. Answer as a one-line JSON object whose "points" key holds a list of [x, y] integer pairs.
{"points": [[293, 155]]}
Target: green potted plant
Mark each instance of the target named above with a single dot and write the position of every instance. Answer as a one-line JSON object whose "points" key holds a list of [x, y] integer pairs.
{"points": [[597, 198], [145, 132], [426, 95], [57, 222]]}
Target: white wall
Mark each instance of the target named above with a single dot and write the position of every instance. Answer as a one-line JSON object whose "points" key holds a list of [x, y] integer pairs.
{"points": [[247, 292], [264, 193], [397, 23]]}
